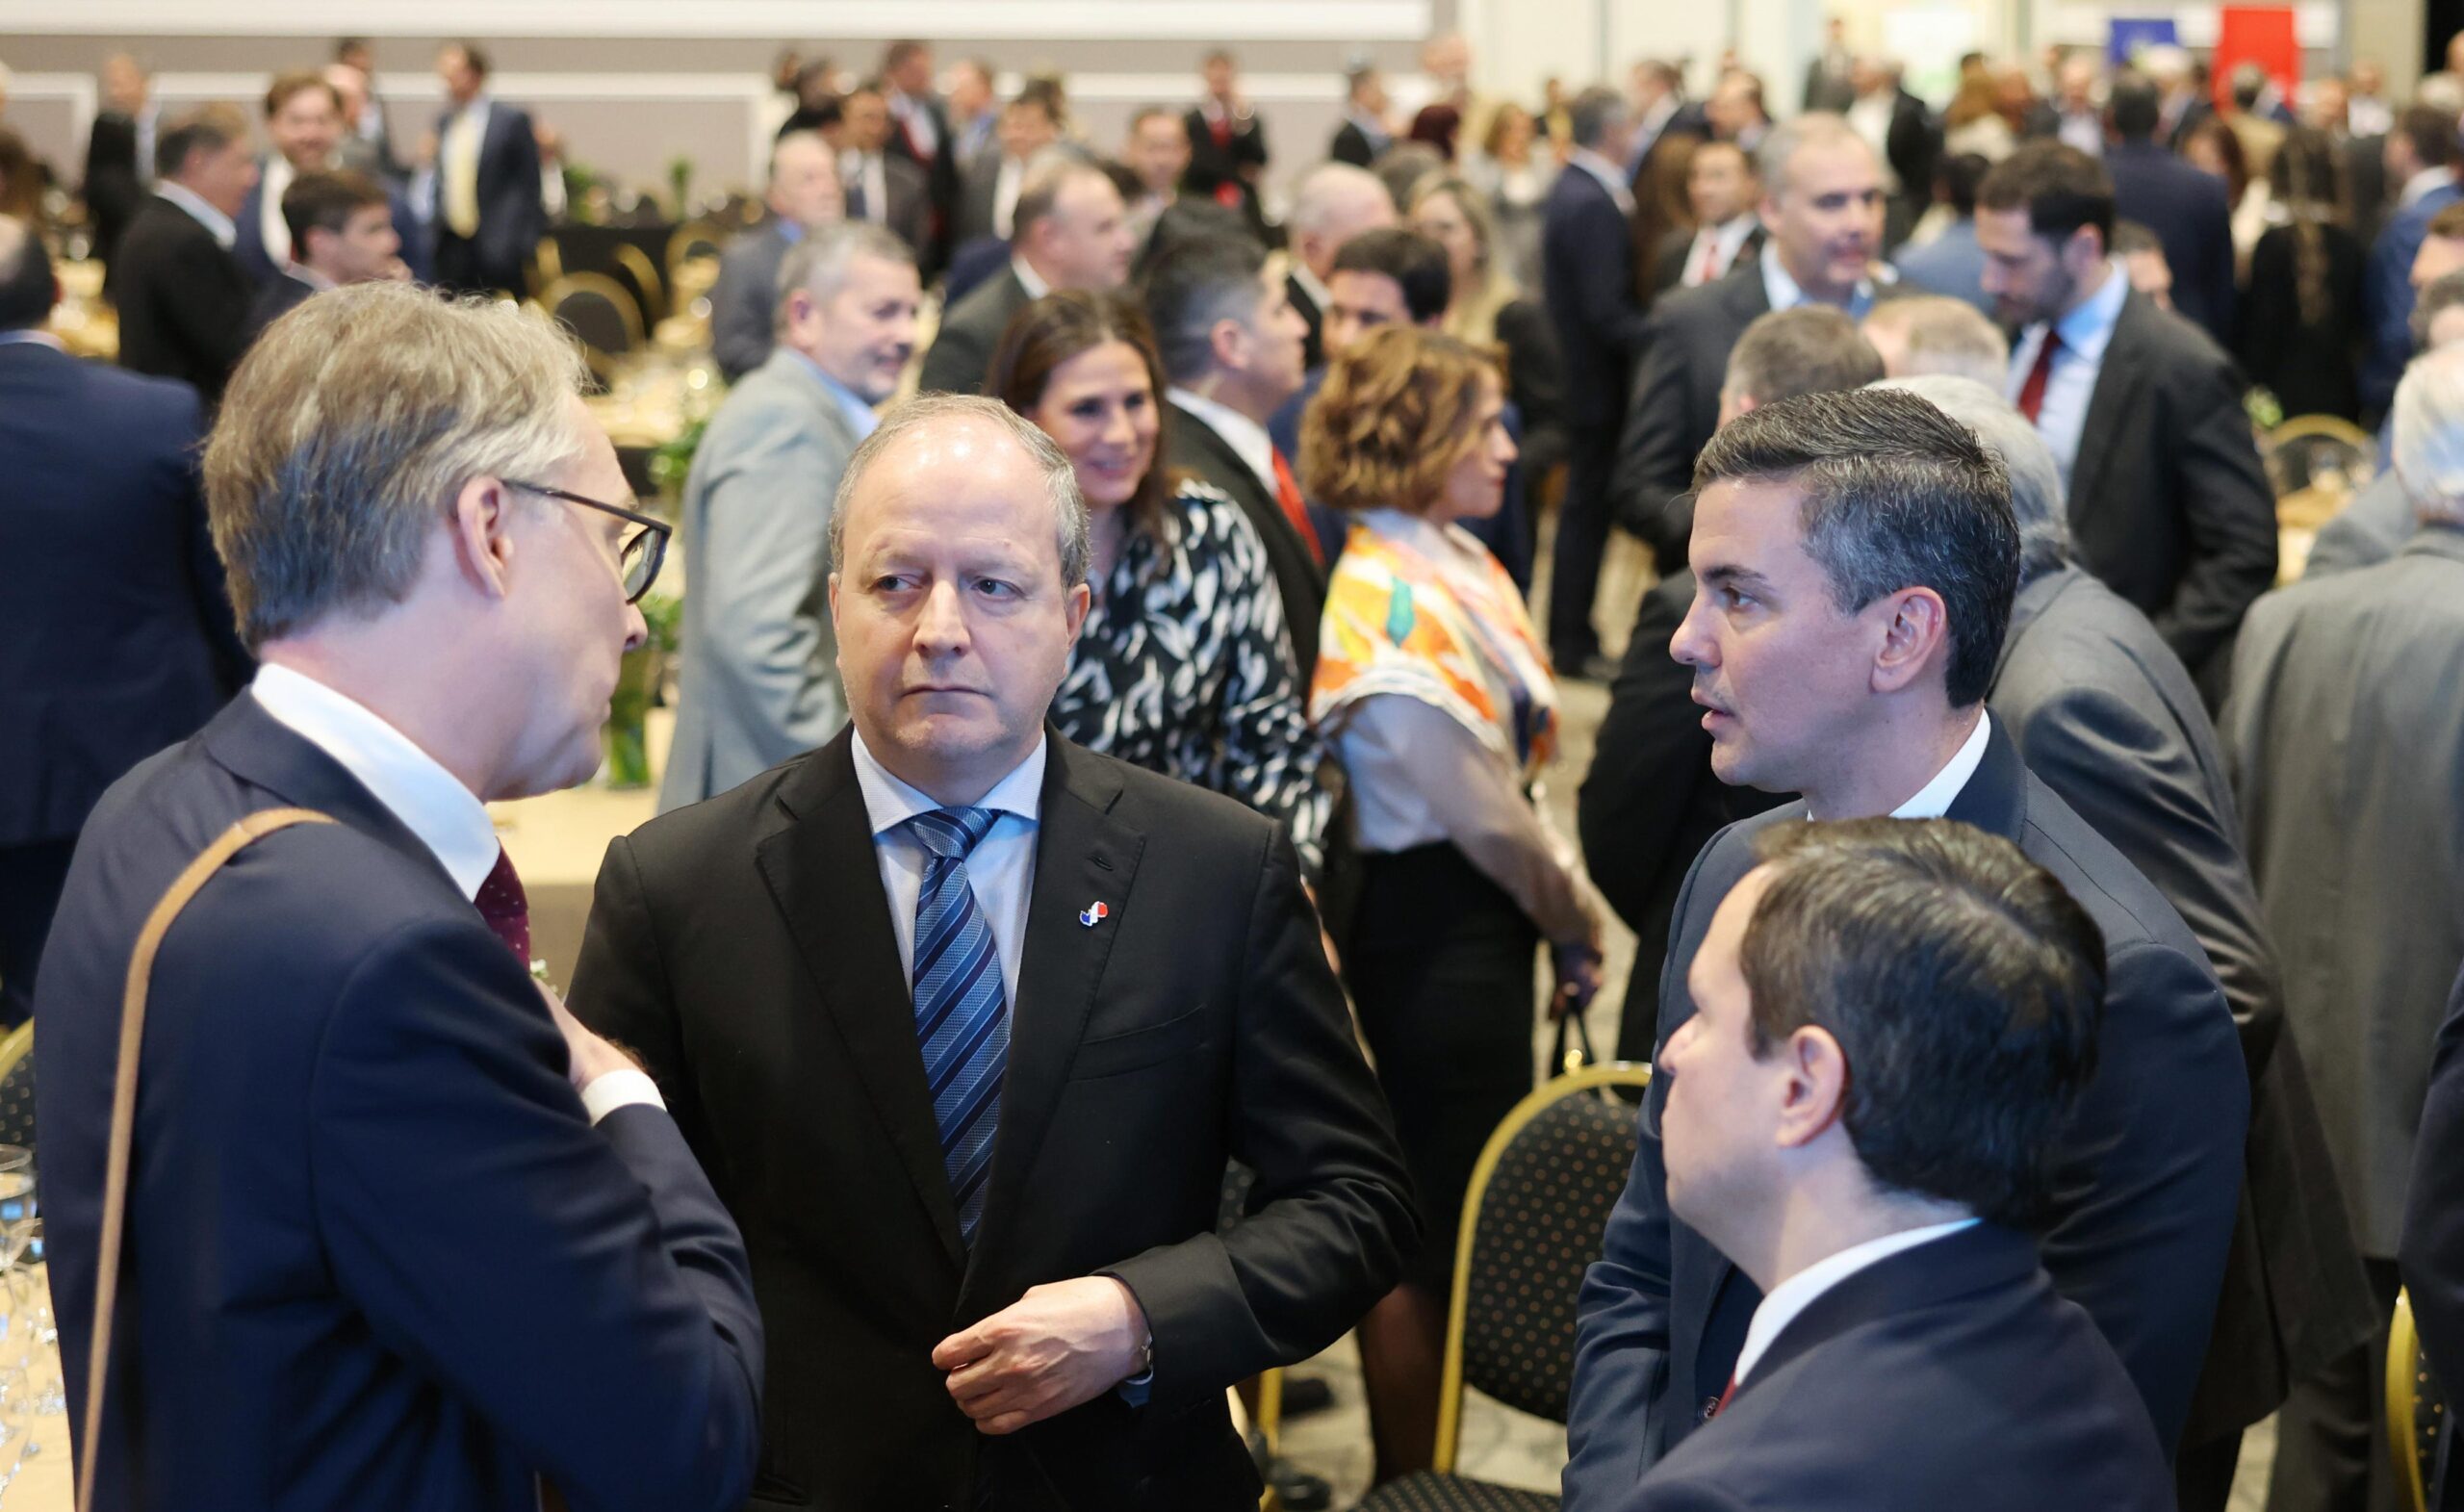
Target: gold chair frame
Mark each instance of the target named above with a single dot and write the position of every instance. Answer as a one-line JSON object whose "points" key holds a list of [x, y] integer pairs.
{"points": [[688, 235], [2404, 1402], [19, 1044], [609, 289], [636, 262]]}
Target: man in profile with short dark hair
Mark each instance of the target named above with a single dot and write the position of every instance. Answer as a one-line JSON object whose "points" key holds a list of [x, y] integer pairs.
{"points": [[1892, 1024], [341, 232], [1855, 558]]}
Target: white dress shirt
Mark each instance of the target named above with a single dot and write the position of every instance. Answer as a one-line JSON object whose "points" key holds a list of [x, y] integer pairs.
{"points": [[2367, 116], [1029, 279], [1785, 293], [1006, 184], [1001, 870], [431, 802], [272, 228], [203, 214], [1798, 1292], [1717, 247], [2086, 332], [865, 171], [1934, 800], [1869, 115], [1247, 439], [916, 120]]}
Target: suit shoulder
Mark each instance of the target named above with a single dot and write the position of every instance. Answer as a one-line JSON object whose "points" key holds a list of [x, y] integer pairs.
{"points": [[1197, 819], [137, 400], [723, 821], [2124, 904]]}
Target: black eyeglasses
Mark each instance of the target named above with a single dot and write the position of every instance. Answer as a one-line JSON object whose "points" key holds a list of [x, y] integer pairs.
{"points": [[638, 558]]}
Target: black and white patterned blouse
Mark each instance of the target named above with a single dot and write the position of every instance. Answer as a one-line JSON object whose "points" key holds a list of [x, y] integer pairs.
{"points": [[1184, 669]]}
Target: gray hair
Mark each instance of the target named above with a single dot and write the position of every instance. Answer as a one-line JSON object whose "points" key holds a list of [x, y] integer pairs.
{"points": [[818, 264], [2429, 415], [1325, 191], [351, 426], [1946, 336], [1192, 287], [1594, 113], [1047, 173], [2036, 479], [1073, 526], [1811, 348], [1812, 129]]}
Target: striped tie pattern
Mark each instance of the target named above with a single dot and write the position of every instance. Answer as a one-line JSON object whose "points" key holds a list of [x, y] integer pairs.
{"points": [[961, 1017]]}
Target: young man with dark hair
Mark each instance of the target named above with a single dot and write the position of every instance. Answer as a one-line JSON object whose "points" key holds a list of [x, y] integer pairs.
{"points": [[2421, 155], [1856, 556], [2168, 503], [341, 232], [1893, 1021]]}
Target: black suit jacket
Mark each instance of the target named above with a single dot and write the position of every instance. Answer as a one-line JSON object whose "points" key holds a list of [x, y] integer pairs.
{"points": [[2106, 716], [744, 947], [1649, 803], [961, 353], [2189, 213], [114, 184], [115, 636], [1213, 169], [1587, 269], [183, 300], [1298, 576], [1668, 262], [1353, 145], [2146, 1192], [1676, 404], [941, 168], [2169, 502], [513, 215], [1313, 341], [909, 214], [2431, 1256], [278, 298], [378, 1255], [1951, 1375]]}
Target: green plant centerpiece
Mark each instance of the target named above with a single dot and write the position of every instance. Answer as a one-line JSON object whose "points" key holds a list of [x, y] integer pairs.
{"points": [[637, 688]]}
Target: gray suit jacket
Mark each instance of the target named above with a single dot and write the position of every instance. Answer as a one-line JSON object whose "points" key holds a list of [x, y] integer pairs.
{"points": [[2105, 714], [2348, 759], [2372, 526], [744, 303], [970, 329], [979, 186], [758, 676]]}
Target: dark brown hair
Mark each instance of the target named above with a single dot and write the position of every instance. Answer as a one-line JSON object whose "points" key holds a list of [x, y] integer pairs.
{"points": [[327, 202], [1392, 419], [296, 82], [1060, 326]]}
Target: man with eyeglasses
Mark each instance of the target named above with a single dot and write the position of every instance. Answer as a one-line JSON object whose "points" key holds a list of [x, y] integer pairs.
{"points": [[399, 1232]]}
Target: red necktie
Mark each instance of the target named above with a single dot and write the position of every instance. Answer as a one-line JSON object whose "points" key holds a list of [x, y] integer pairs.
{"points": [[505, 908], [1726, 1392], [1286, 496], [2032, 392], [1710, 261], [1220, 129]]}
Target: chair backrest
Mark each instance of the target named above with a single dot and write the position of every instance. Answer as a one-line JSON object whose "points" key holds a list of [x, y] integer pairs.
{"points": [[2414, 1410], [634, 266], [1532, 1219], [694, 239], [17, 1087], [596, 309]]}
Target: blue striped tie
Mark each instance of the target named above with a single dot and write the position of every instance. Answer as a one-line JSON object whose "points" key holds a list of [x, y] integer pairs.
{"points": [[961, 1017]]}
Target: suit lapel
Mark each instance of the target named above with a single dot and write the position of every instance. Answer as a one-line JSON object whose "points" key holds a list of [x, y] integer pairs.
{"points": [[820, 867], [2118, 383], [1996, 799], [1084, 856]]}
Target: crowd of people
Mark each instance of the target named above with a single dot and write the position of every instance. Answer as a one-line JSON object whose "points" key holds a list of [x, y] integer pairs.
{"points": [[1093, 921]]}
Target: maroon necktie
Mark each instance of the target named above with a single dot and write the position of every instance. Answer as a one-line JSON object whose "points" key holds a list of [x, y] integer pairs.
{"points": [[1722, 1405], [505, 907], [1710, 261], [2032, 392]]}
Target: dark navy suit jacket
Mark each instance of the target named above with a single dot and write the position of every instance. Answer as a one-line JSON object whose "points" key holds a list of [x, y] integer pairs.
{"points": [[116, 638], [2146, 1190], [1951, 1375], [251, 246], [2189, 213], [378, 1257], [1587, 262], [2387, 295]]}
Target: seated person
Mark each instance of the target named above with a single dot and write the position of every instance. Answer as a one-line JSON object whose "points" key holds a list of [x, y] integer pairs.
{"points": [[1893, 1019]]}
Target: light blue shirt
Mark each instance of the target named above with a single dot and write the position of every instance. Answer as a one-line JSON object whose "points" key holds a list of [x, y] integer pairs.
{"points": [[862, 418], [1001, 870], [1786, 293], [2086, 332]]}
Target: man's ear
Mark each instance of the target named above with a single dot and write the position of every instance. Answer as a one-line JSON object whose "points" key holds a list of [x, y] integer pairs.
{"points": [[481, 523], [1816, 1094], [1915, 637], [1229, 340]]}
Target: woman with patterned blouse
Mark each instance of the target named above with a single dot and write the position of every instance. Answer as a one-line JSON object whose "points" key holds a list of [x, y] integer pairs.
{"points": [[1434, 690], [1183, 667]]}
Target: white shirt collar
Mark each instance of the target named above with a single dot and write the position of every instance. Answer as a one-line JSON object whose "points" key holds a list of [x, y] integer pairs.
{"points": [[1795, 1295], [309, 276], [205, 215], [1785, 293], [1601, 168], [1028, 278], [889, 803], [430, 801], [1247, 439], [2087, 330], [1934, 800], [1318, 294], [2421, 184], [32, 338]]}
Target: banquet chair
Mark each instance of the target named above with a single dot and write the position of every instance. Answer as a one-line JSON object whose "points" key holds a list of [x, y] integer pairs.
{"points": [[1532, 1217], [17, 1087], [599, 311], [694, 239], [2415, 1411], [634, 266]]}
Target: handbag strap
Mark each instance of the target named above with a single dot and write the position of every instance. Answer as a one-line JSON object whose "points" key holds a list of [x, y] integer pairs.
{"points": [[249, 829], [1560, 1062]]}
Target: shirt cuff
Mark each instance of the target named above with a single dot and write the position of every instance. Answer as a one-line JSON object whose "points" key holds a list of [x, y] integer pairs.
{"points": [[1134, 1389], [610, 1090]]}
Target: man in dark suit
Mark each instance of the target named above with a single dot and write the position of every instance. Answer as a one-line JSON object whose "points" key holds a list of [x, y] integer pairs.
{"points": [[2432, 1260], [942, 1006], [489, 210], [2107, 716], [804, 197], [1878, 709], [2421, 156], [1909, 1350], [341, 232], [183, 298], [116, 639], [883, 186], [989, 189], [2345, 754], [919, 131], [1364, 133], [1072, 233], [1822, 207], [1231, 346], [1722, 191], [1227, 142], [1333, 203], [304, 122], [455, 1234], [119, 152], [2168, 503], [1587, 258], [2185, 208], [1651, 801]]}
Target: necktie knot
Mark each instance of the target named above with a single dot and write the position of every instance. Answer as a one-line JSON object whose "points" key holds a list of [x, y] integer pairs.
{"points": [[505, 908], [953, 834]]}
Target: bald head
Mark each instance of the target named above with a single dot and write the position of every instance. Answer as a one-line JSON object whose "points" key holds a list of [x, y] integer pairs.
{"points": [[1334, 203]]}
